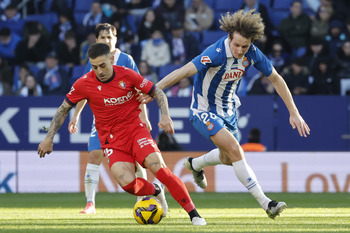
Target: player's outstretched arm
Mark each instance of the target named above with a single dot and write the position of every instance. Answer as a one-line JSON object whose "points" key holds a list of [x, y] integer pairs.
{"points": [[174, 77], [46, 146], [72, 126], [165, 122], [295, 118]]}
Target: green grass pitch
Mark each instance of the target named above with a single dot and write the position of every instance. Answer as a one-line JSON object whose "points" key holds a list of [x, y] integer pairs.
{"points": [[224, 212]]}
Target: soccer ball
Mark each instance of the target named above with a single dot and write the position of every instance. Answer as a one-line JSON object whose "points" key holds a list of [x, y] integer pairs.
{"points": [[148, 211]]}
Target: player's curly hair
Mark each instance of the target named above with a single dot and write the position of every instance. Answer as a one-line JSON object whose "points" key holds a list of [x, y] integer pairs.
{"points": [[250, 25]]}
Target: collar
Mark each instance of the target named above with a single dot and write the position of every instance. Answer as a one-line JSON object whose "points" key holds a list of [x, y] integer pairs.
{"points": [[227, 48], [116, 55]]}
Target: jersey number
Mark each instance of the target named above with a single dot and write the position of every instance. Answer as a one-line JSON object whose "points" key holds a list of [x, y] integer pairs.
{"points": [[204, 116]]}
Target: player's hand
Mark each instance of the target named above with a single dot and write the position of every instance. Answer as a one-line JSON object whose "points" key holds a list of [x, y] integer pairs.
{"points": [[45, 147], [298, 122], [72, 126], [166, 124], [144, 98]]}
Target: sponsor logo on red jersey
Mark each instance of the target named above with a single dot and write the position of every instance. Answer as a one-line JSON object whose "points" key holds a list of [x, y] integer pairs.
{"points": [[205, 60], [233, 75], [144, 83], [119, 100]]}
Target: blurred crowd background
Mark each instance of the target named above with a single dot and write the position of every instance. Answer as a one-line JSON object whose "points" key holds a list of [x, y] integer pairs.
{"points": [[44, 43]]}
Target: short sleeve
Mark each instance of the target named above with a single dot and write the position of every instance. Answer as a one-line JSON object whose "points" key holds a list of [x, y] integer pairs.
{"points": [[76, 93]]}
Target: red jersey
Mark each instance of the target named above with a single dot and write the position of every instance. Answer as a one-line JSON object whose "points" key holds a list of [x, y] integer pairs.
{"points": [[113, 102]]}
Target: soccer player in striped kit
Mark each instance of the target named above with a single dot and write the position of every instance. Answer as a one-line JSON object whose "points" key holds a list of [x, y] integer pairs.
{"points": [[105, 33], [218, 71]]}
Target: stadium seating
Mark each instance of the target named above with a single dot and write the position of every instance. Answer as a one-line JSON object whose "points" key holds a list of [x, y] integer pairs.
{"points": [[282, 5], [223, 5], [165, 70], [78, 17], [16, 27], [77, 72], [276, 16], [209, 37], [83, 5], [47, 19]]}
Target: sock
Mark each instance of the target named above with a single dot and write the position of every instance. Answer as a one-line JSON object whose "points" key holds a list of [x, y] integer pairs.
{"points": [[141, 172], [176, 188], [140, 187], [91, 180], [209, 159], [247, 177], [193, 213]]}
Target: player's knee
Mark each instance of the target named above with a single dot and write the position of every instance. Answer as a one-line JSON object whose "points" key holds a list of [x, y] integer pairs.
{"points": [[95, 157], [154, 162]]}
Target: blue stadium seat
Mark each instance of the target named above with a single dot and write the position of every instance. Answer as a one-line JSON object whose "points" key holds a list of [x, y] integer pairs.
{"points": [[265, 3], [46, 19], [83, 5], [277, 16], [48, 3], [79, 16], [77, 72], [224, 5], [132, 21], [209, 37], [16, 27], [217, 16], [210, 3], [282, 4], [167, 69]]}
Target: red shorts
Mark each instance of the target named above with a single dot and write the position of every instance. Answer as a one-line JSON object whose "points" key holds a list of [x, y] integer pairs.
{"points": [[135, 147]]}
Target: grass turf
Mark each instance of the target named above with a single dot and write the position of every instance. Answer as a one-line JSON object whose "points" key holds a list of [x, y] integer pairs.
{"points": [[224, 212]]}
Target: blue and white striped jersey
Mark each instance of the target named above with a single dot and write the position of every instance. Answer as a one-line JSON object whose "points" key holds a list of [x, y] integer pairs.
{"points": [[219, 75], [120, 59]]}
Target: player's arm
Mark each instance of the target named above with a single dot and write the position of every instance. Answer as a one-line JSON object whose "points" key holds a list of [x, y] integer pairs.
{"points": [[174, 77], [72, 126], [46, 146], [144, 116], [165, 122], [295, 119]]}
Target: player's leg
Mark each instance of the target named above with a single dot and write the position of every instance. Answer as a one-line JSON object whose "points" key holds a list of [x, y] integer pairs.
{"points": [[230, 149], [123, 169], [124, 174], [141, 173], [207, 124], [176, 187], [92, 176]]}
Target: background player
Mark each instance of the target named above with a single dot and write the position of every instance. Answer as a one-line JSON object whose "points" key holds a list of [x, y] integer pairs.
{"points": [[111, 93], [107, 34], [218, 71]]}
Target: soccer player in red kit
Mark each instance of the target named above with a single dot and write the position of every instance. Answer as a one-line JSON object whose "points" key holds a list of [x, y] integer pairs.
{"points": [[111, 93]]}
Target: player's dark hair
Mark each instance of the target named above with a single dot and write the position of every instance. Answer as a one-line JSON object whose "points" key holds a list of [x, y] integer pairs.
{"points": [[105, 27], [250, 25], [98, 49]]}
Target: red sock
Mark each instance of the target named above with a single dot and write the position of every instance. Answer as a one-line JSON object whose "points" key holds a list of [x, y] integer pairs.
{"points": [[176, 188], [140, 187]]}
